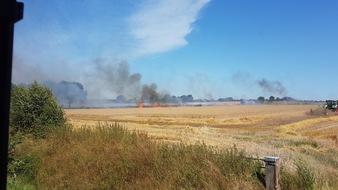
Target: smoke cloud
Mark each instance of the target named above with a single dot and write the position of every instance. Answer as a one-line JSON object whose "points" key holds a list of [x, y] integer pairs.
{"points": [[118, 80], [104, 79], [245, 80], [22, 72], [241, 78], [149, 92], [274, 87]]}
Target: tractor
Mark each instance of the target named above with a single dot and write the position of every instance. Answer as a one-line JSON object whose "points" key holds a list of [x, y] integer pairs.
{"points": [[331, 105]]}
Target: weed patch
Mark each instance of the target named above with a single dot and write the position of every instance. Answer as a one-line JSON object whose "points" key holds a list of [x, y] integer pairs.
{"points": [[303, 178], [303, 143], [110, 157]]}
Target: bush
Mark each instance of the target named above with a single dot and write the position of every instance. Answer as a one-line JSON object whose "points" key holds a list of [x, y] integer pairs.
{"points": [[34, 109]]}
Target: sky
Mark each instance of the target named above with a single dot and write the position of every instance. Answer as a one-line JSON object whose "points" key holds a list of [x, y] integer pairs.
{"points": [[206, 48]]}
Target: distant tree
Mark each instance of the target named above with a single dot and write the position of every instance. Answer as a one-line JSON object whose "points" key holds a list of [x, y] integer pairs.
{"points": [[261, 99], [272, 99], [73, 92], [34, 109], [68, 92], [286, 98], [199, 100], [121, 99], [187, 98], [210, 100], [190, 98], [167, 98], [227, 99]]}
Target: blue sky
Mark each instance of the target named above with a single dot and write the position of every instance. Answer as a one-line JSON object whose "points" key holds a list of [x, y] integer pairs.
{"points": [[207, 48]]}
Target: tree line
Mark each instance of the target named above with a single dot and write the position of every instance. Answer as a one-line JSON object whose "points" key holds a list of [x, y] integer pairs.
{"points": [[262, 99]]}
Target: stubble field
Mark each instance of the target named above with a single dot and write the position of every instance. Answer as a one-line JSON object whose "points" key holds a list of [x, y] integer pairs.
{"points": [[217, 125], [286, 131]]}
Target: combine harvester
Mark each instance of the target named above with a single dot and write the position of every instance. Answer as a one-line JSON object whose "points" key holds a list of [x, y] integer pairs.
{"points": [[331, 105]]}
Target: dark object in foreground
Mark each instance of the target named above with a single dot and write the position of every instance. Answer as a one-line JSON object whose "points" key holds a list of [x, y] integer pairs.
{"points": [[10, 12]]}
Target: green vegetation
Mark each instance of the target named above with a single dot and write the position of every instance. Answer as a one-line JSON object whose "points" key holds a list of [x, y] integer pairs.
{"points": [[303, 178], [34, 114], [34, 110], [303, 143]]}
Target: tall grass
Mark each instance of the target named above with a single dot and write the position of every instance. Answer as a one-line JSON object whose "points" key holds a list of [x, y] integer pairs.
{"points": [[110, 157], [303, 178]]}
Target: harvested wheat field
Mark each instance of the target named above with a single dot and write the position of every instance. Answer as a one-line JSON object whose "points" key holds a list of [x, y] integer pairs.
{"points": [[219, 125], [286, 131], [216, 125]]}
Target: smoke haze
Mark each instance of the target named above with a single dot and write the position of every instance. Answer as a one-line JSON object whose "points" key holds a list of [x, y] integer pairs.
{"points": [[68, 93], [245, 80], [24, 72], [116, 79], [274, 87]]}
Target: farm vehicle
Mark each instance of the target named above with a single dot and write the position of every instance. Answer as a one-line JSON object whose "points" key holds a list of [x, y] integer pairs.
{"points": [[331, 105]]}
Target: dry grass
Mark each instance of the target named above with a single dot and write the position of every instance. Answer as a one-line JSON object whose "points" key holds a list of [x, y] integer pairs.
{"points": [[111, 157], [183, 148], [314, 127], [261, 130]]}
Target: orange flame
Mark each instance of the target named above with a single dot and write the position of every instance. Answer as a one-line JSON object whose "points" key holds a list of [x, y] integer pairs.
{"points": [[140, 104]]}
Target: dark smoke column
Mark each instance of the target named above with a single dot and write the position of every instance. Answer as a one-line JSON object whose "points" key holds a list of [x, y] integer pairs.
{"points": [[10, 12]]}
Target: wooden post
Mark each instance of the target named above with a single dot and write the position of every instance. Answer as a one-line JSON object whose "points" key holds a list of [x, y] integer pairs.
{"points": [[272, 168]]}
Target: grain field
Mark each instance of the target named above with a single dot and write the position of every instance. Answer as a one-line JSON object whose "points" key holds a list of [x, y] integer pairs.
{"points": [[287, 131]]}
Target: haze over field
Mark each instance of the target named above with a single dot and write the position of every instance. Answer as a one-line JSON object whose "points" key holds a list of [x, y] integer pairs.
{"points": [[207, 48]]}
